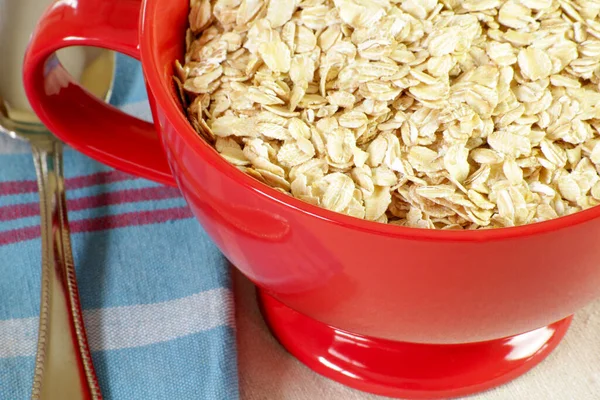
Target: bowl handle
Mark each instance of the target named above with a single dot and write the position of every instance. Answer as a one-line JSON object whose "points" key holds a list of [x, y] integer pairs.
{"points": [[81, 120]]}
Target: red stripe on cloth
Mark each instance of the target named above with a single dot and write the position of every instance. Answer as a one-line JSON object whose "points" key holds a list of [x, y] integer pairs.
{"points": [[77, 182], [16, 211], [19, 235], [16, 187], [102, 223]]}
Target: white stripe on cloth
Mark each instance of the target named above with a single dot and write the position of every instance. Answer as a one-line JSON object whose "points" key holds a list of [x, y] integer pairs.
{"points": [[140, 110], [13, 146], [131, 326]]}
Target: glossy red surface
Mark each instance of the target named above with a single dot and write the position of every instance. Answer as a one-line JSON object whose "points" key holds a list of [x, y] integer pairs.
{"points": [[386, 282], [80, 119], [408, 370]]}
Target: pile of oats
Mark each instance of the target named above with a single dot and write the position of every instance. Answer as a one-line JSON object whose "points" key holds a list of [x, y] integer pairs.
{"points": [[433, 114]]}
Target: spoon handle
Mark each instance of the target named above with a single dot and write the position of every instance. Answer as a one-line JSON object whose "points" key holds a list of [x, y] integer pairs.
{"points": [[63, 365]]}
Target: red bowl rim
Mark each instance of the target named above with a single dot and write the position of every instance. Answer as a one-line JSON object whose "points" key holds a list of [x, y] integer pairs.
{"points": [[163, 93]]}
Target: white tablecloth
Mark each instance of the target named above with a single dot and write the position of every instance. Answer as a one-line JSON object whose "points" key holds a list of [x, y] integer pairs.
{"points": [[268, 372]]}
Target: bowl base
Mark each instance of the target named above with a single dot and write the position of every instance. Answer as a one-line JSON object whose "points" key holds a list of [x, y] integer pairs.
{"points": [[407, 370]]}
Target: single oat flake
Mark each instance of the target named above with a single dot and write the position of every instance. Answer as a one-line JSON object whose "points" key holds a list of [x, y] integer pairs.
{"points": [[472, 114]]}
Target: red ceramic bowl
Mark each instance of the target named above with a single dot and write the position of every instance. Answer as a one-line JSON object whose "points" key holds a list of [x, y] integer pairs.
{"points": [[397, 311]]}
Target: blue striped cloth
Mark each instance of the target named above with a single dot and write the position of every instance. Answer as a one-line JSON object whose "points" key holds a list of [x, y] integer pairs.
{"points": [[156, 292]]}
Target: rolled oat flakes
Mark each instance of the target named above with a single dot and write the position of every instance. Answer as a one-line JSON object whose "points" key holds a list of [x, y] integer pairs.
{"points": [[432, 114]]}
